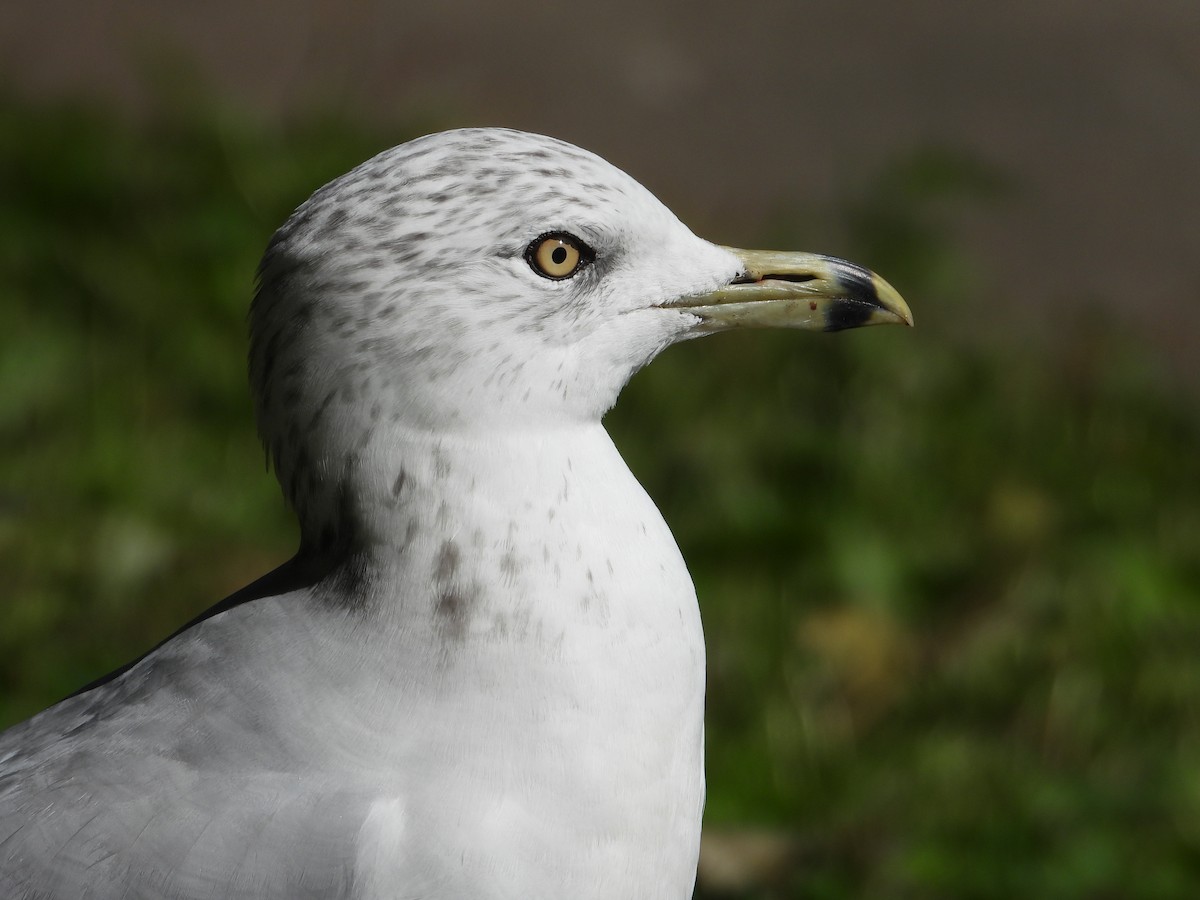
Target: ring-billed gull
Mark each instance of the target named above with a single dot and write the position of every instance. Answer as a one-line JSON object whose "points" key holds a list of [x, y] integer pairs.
{"points": [[482, 675]]}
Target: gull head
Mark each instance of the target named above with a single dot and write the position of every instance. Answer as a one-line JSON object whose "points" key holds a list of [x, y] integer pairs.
{"points": [[486, 280]]}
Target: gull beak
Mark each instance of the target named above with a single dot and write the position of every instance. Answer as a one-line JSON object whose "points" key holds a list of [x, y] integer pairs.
{"points": [[778, 289]]}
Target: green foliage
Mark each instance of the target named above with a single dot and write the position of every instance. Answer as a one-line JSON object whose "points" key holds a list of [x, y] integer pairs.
{"points": [[133, 491], [952, 595]]}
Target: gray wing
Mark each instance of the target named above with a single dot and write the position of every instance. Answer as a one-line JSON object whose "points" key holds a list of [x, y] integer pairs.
{"points": [[175, 780]]}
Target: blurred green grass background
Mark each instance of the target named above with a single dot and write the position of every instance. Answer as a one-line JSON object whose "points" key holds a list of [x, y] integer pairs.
{"points": [[951, 588]]}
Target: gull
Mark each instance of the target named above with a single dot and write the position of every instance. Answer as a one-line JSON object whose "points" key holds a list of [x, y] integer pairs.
{"points": [[482, 674]]}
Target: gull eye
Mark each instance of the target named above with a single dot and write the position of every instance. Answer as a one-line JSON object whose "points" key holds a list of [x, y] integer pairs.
{"points": [[558, 255]]}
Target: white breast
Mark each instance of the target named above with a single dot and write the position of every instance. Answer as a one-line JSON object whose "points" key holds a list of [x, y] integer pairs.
{"points": [[540, 660]]}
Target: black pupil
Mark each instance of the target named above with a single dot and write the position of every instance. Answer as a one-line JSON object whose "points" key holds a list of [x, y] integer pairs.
{"points": [[559, 255]]}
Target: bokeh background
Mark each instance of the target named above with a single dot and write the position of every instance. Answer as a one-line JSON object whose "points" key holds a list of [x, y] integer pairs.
{"points": [[950, 577]]}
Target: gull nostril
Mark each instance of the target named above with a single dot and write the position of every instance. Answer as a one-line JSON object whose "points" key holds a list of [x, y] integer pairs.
{"points": [[794, 277]]}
